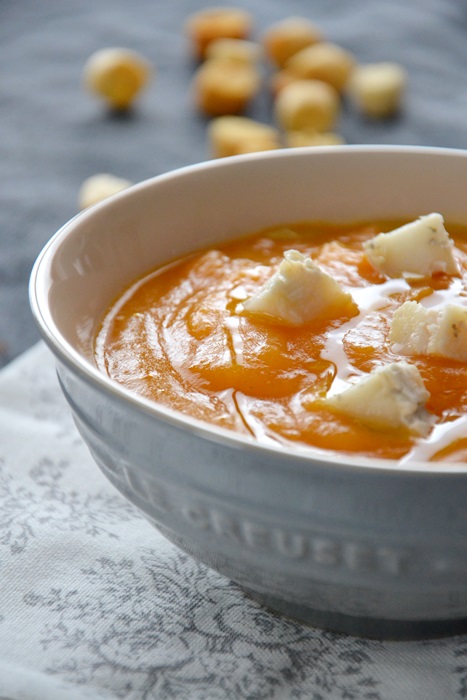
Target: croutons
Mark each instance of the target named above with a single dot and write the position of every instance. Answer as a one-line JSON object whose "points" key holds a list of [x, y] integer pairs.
{"points": [[234, 50], [116, 75], [307, 104], [377, 89], [209, 24], [298, 139], [98, 187], [310, 75], [233, 135], [323, 61], [224, 87], [285, 38]]}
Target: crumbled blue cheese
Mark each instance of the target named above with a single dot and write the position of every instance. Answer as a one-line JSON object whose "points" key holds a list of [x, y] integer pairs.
{"points": [[422, 247], [417, 330], [299, 292], [391, 397]]}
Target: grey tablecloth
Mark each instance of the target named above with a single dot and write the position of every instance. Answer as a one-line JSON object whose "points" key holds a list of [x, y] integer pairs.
{"points": [[93, 602]]}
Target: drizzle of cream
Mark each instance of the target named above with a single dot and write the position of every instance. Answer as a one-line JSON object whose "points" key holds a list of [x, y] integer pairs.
{"points": [[232, 324], [440, 437], [254, 425], [228, 397], [452, 295], [371, 299], [368, 299]]}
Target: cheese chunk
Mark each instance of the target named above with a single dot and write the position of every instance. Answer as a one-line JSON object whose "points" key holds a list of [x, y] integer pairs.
{"points": [[417, 330], [422, 247], [391, 397], [299, 292]]}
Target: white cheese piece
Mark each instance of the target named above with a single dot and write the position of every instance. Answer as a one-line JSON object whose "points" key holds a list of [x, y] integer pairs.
{"points": [[422, 247], [299, 292], [417, 330], [391, 397]]}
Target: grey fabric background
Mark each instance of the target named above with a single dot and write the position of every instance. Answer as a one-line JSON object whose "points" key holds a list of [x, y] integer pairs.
{"points": [[53, 134]]}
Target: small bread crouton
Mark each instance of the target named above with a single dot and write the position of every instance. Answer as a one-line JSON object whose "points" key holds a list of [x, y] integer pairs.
{"points": [[224, 86], [209, 24], [377, 89], [98, 187], [116, 75], [307, 104], [323, 61], [232, 135], [298, 139], [285, 38], [239, 50]]}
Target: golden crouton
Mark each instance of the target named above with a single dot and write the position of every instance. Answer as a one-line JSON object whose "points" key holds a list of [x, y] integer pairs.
{"points": [[323, 61], [307, 104], [298, 139], [377, 88], [234, 50], [232, 135], [209, 24], [98, 187], [224, 86], [116, 75], [285, 38]]}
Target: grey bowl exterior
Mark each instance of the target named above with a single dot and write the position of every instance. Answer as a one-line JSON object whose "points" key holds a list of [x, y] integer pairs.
{"points": [[358, 546]]}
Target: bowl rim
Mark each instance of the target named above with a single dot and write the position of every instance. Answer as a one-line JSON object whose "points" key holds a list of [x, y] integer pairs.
{"points": [[301, 457]]}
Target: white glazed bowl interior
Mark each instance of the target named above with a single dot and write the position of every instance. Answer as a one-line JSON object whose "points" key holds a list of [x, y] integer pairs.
{"points": [[328, 540]]}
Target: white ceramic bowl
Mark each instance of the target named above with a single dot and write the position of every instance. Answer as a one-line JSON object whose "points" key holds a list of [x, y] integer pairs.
{"points": [[361, 546]]}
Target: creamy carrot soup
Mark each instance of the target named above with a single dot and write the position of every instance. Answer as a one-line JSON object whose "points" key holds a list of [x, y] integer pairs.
{"points": [[203, 335]]}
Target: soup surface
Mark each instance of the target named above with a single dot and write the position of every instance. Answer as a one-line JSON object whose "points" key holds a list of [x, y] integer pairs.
{"points": [[179, 337]]}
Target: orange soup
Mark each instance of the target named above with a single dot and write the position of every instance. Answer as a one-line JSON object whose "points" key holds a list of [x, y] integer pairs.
{"points": [[179, 337]]}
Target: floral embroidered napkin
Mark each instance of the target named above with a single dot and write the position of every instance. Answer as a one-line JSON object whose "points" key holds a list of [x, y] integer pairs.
{"points": [[95, 603]]}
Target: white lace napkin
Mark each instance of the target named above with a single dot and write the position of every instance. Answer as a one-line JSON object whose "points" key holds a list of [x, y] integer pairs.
{"points": [[95, 603]]}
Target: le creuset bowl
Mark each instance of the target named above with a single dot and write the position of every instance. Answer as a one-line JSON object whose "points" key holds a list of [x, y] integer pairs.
{"points": [[369, 547]]}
